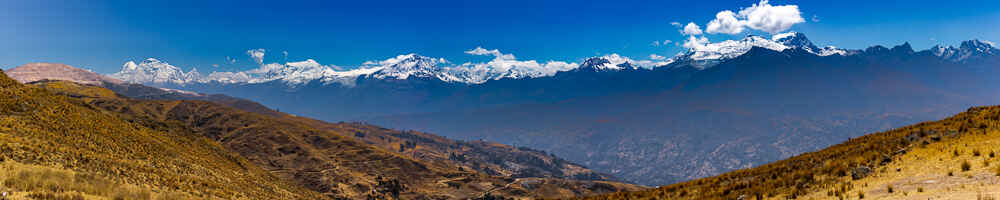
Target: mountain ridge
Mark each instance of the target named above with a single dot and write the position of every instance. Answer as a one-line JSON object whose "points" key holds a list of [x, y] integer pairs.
{"points": [[401, 67]]}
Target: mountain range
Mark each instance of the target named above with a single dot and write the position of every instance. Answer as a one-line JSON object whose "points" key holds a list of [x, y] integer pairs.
{"points": [[716, 108]]}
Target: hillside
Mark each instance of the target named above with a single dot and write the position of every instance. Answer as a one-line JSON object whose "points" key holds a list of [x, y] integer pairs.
{"points": [[486, 157], [55, 146], [953, 158], [323, 160], [299, 149]]}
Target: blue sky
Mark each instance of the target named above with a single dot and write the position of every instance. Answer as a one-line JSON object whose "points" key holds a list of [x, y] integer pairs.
{"points": [[101, 35]]}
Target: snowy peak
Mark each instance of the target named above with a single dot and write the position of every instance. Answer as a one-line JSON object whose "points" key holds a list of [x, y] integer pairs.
{"points": [[977, 46], [708, 55], [970, 49], [154, 71], [292, 72], [405, 66], [611, 62], [795, 40], [800, 41]]}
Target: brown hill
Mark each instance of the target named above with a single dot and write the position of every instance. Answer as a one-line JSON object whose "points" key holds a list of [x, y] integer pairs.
{"points": [[53, 146], [329, 158], [953, 158], [324, 160], [486, 157], [32, 72], [35, 72]]}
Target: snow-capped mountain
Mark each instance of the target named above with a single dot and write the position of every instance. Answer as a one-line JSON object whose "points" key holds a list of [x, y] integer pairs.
{"points": [[503, 66], [293, 72], [800, 41], [409, 65], [611, 62], [155, 71], [971, 49], [708, 55]]}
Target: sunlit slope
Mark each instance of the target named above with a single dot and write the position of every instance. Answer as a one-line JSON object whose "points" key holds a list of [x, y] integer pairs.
{"points": [[43, 131], [321, 158], [954, 158]]}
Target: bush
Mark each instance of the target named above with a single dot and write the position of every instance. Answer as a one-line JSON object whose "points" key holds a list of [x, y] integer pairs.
{"points": [[976, 153], [889, 189], [920, 189], [966, 166], [861, 195]]}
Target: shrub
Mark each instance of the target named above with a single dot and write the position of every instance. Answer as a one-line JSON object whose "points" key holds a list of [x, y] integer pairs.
{"points": [[951, 173], [966, 166], [861, 195], [889, 189], [976, 153], [920, 189], [992, 154]]}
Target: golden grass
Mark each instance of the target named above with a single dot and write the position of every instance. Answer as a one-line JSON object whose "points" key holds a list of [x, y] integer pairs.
{"points": [[41, 182], [38, 127], [929, 149]]}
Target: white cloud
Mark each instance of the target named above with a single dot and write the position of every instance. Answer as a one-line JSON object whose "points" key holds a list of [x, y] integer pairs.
{"points": [[691, 29], [257, 55], [695, 42], [725, 22], [815, 18], [772, 19], [286, 54], [658, 43], [481, 51], [215, 65], [676, 24], [656, 57], [230, 60], [505, 66], [761, 16]]}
